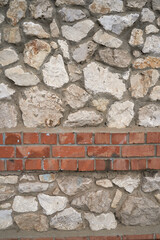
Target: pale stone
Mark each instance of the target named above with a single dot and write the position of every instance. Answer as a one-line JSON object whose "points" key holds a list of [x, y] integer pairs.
{"points": [[136, 53], [106, 6], [128, 182], [151, 184], [102, 80], [157, 196], [41, 108], [33, 29], [106, 183], [54, 29], [0, 37], [102, 221], [100, 104], [71, 14], [75, 96], [64, 48], [116, 23], [140, 211], [75, 73], [149, 116], [156, 5], [56, 191], [5, 206], [70, 2], [136, 3], [8, 56], [136, 38], [147, 15], [8, 115], [68, 219], [54, 72], [116, 198], [83, 118], [71, 185], [35, 52], [17, 10], [5, 219], [50, 177], [8, 179], [152, 44], [3, 3], [126, 75], [21, 77], [155, 93], [115, 57], [51, 204], [6, 192], [1, 18], [78, 31], [96, 201], [12, 34], [5, 91], [106, 39], [25, 204], [28, 187], [158, 21], [27, 177], [151, 29], [120, 114], [32, 221], [147, 62], [84, 52], [41, 9], [141, 82], [54, 45]]}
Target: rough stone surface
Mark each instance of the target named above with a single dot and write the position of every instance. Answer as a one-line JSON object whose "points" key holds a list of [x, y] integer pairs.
{"points": [[157, 196], [136, 3], [41, 9], [54, 29], [48, 177], [64, 48], [100, 104], [147, 15], [136, 38], [152, 45], [1, 18], [149, 116], [106, 183], [25, 204], [106, 39], [70, 2], [71, 14], [116, 199], [8, 115], [8, 56], [151, 184], [5, 206], [75, 73], [151, 29], [27, 177], [12, 34], [3, 3], [8, 179], [30, 28], [17, 10], [29, 187], [6, 192], [5, 219], [155, 93], [156, 5], [106, 6], [147, 62]]}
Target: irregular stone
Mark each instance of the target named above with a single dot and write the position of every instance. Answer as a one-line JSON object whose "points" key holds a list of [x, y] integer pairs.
{"points": [[17, 10], [84, 52], [156, 5], [151, 29], [102, 80], [3, 3], [51, 204], [32, 221], [75, 73], [151, 184], [128, 182], [78, 31], [83, 118], [126, 75], [50, 177], [5, 91], [64, 48], [158, 21], [0, 37], [155, 93], [54, 29], [106, 183], [25, 204], [8, 179], [27, 177], [147, 15], [106, 6], [106, 39], [21, 77], [5, 219], [120, 114], [141, 82], [33, 29], [102, 221], [5, 206], [68, 219], [71, 185], [54, 72], [8, 56], [116, 198], [75, 96], [152, 44], [41, 9], [157, 196], [96, 201], [70, 2], [100, 104], [35, 52], [118, 23], [139, 211], [28, 187], [115, 57], [136, 3], [136, 53], [6, 192], [41, 108], [136, 38], [149, 116], [12, 34], [54, 45], [8, 115], [147, 62], [1, 18], [71, 14]]}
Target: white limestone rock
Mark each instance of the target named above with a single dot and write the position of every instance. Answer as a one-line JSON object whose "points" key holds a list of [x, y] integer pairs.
{"points": [[48, 177], [151, 184], [5, 219], [156, 5], [155, 93], [6, 192], [5, 91], [149, 116], [157, 196], [75, 72], [23, 204], [11, 34], [147, 15], [64, 48], [70, 2], [106, 6], [17, 10], [5, 206], [136, 3], [3, 3], [54, 29], [100, 104], [151, 29], [27, 177], [152, 45], [28, 187], [71, 14], [8, 56], [1, 18], [41, 9], [107, 39], [136, 38], [116, 198], [33, 29], [106, 183], [11, 179], [8, 115]]}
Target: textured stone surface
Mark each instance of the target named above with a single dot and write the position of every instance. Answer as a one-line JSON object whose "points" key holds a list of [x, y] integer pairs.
{"points": [[136, 38], [106, 6], [157, 196], [41, 9], [17, 10], [29, 187], [48, 177], [54, 29], [116, 198], [71, 14], [136, 3], [149, 116], [12, 34], [2, 17], [5, 206], [5, 219], [106, 39], [3, 3], [151, 184], [8, 56], [156, 5], [147, 62], [70, 2], [8, 179], [6, 192], [147, 15], [25, 204], [106, 183], [100, 104], [64, 48], [27, 177], [151, 29], [8, 115], [152, 45], [75, 73], [155, 93], [33, 29]]}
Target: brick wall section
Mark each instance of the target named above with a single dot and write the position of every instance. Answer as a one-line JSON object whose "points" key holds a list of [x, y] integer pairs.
{"points": [[79, 151]]}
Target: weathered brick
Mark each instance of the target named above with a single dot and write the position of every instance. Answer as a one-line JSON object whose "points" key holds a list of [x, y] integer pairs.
{"points": [[139, 237], [14, 165], [6, 152], [66, 138], [136, 138], [102, 138], [51, 164], [33, 164], [121, 164], [84, 138], [103, 151], [30, 138], [158, 150], [68, 151], [2, 165], [119, 138], [33, 151], [1, 138], [86, 165], [138, 151], [154, 163], [138, 164], [69, 164], [153, 137], [102, 165], [48, 138], [12, 138]]}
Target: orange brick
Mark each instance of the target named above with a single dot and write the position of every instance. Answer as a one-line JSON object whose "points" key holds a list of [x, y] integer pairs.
{"points": [[103, 151], [2, 165], [1, 138], [84, 138], [157, 237], [158, 150], [15, 165], [12, 138], [153, 137], [48, 138], [30, 138], [51, 164], [6, 152], [69, 164], [139, 237], [33, 151], [138, 164], [138, 151], [102, 165], [119, 138], [106, 238], [102, 138], [66, 138], [154, 163], [33, 164], [68, 151], [121, 164], [86, 165], [136, 138]]}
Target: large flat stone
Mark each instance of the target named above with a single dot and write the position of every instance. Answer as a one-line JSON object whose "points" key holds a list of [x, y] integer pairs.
{"points": [[25, 204], [8, 115], [8, 56], [33, 29], [28, 187], [5, 219], [106, 6], [11, 179], [149, 116], [71, 14], [151, 184], [107, 39], [41, 9]]}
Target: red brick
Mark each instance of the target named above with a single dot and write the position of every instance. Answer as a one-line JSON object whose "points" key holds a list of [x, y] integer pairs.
{"points": [[30, 138], [37, 238], [136, 138], [102, 138], [84, 138], [1, 138], [158, 150], [103, 151], [48, 138], [68, 151], [12, 138], [66, 138], [86, 165], [14, 165], [138, 164], [33, 151], [69, 164], [2, 165], [121, 164], [72, 238], [138, 151], [153, 137], [102, 165], [106, 238], [6, 152], [51, 164], [33, 164], [157, 237], [154, 163], [139, 237], [119, 138]]}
